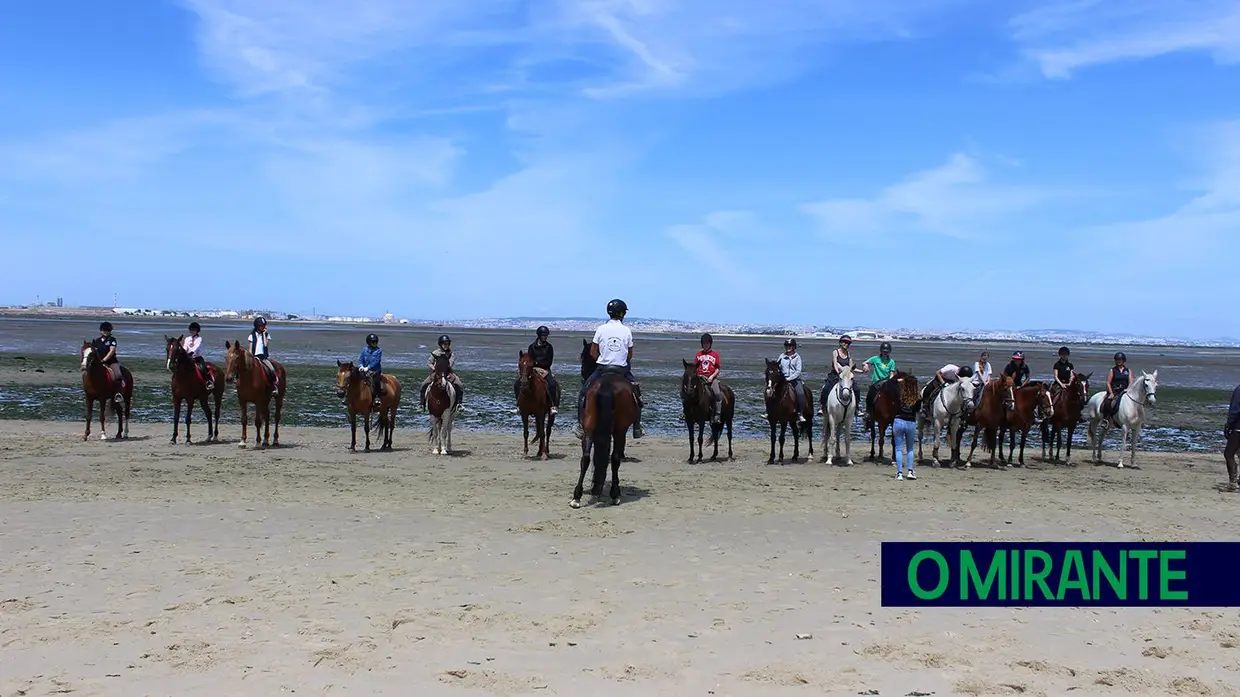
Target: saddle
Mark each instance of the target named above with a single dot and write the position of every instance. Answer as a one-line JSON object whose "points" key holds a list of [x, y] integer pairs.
{"points": [[269, 371], [1110, 406], [205, 372]]}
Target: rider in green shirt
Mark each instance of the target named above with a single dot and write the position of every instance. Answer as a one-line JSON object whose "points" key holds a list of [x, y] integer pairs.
{"points": [[880, 368]]}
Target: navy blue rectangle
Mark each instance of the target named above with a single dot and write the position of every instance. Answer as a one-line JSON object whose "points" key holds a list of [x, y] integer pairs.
{"points": [[1081, 574]]}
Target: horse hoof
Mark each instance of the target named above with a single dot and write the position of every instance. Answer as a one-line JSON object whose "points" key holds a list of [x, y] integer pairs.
{"points": [[575, 503], [103, 436], [615, 502], [187, 441], [242, 444], [173, 441]]}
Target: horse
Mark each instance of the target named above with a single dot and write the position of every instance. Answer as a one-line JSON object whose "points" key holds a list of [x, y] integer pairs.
{"points": [[698, 403], [355, 389], [1068, 409], [987, 418], [607, 412], [533, 398], [840, 412], [1129, 415], [949, 410], [188, 387], [886, 406], [254, 385], [1028, 400], [442, 401], [98, 385], [781, 411]]}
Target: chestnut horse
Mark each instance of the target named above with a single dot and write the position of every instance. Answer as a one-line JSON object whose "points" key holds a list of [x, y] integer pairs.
{"points": [[188, 387], [781, 410], [1031, 399], [886, 406], [533, 398], [989, 416], [609, 409], [698, 402], [442, 401], [1068, 409], [355, 389], [253, 385], [98, 385]]}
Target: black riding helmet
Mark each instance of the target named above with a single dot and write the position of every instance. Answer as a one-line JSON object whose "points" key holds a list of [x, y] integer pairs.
{"points": [[372, 339], [259, 322], [105, 327], [617, 309], [1063, 351], [846, 339], [543, 332], [706, 339], [965, 372], [884, 347], [1119, 356], [445, 339], [790, 342], [195, 327]]}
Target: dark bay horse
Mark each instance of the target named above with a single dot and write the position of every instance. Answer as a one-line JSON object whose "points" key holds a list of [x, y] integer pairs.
{"points": [[189, 387], [355, 389], [886, 406], [607, 413], [1032, 398], [989, 416], [697, 401], [98, 385], [781, 411], [254, 385], [1068, 409], [534, 399], [442, 401]]}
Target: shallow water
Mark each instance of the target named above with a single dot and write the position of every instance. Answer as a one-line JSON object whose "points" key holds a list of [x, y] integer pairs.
{"points": [[1194, 384]]}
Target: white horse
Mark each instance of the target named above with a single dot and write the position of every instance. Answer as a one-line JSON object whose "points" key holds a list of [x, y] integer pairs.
{"points": [[949, 410], [441, 424], [1129, 416], [841, 410]]}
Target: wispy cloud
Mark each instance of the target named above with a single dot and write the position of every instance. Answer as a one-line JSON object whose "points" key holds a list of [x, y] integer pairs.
{"points": [[957, 199], [1068, 36]]}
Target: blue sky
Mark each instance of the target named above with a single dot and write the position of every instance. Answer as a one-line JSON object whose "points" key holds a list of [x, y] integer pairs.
{"points": [[897, 163]]}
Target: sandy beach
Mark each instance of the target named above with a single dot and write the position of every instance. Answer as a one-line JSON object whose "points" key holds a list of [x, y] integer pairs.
{"points": [[142, 568]]}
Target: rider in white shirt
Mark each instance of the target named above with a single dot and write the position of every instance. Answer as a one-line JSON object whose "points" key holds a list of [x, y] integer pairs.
{"points": [[612, 347], [193, 346]]}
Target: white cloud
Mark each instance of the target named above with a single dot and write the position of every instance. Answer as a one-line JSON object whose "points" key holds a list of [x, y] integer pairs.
{"points": [[1065, 37], [956, 199], [708, 243]]}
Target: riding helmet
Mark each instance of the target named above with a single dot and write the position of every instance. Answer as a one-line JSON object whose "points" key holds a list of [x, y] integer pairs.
{"points": [[105, 327], [1018, 356], [195, 327], [884, 347], [790, 342], [544, 331], [445, 339], [259, 322], [846, 339], [965, 372], [372, 338], [706, 339], [1119, 356], [1064, 349], [616, 308]]}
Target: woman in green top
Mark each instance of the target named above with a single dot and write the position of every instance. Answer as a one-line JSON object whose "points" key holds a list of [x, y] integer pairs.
{"points": [[881, 368]]}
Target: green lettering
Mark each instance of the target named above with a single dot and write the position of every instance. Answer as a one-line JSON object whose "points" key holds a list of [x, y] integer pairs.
{"points": [[1119, 584], [944, 574], [1038, 577], [1166, 575], [1072, 576], [1143, 571], [970, 578], [1014, 585]]}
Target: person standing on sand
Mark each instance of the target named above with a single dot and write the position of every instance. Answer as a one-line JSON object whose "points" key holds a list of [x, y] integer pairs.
{"points": [[904, 428], [1231, 432]]}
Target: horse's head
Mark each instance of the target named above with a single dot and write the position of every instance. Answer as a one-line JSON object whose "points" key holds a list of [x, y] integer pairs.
{"points": [[173, 351], [442, 369], [236, 360], [774, 377], [588, 364], [345, 372], [525, 369], [1081, 384], [88, 355], [968, 390], [1046, 402], [692, 385], [845, 385], [1150, 381]]}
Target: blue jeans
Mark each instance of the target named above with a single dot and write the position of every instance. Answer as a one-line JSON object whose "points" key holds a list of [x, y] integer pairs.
{"points": [[905, 433], [798, 395]]}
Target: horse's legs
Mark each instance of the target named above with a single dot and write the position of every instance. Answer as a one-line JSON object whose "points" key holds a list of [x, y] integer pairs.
{"points": [[525, 433], [90, 407], [585, 465], [206, 410], [976, 430], [275, 441], [847, 425], [103, 421], [1023, 435], [176, 419], [245, 418], [366, 428], [189, 414], [783, 431], [617, 454], [689, 426]]}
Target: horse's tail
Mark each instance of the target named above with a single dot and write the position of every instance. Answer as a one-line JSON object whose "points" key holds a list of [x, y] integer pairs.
{"points": [[604, 415], [989, 436]]}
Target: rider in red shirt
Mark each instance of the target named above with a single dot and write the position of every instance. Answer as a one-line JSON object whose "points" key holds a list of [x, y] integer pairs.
{"points": [[708, 365]]}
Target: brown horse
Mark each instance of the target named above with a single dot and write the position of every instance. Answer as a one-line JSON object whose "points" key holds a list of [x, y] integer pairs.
{"points": [[355, 389], [254, 385], [1069, 406], [97, 383], [608, 411], [442, 401], [698, 403], [533, 398], [886, 406], [1032, 398], [188, 386], [781, 410], [989, 416]]}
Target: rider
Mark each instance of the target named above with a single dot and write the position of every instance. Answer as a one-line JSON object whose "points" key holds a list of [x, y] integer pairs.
{"points": [[881, 367], [1063, 371], [708, 366], [445, 349], [371, 365], [260, 345], [542, 353], [1118, 379], [612, 347], [193, 346], [947, 375], [105, 345], [981, 376], [790, 366], [840, 360], [1017, 369]]}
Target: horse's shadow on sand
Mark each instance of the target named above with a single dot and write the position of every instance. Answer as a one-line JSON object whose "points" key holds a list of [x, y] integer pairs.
{"points": [[629, 493]]}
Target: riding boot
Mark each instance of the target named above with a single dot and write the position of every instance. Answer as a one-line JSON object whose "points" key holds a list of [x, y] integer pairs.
{"points": [[555, 399]]}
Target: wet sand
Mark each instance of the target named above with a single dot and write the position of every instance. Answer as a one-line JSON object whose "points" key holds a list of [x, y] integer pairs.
{"points": [[143, 568]]}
